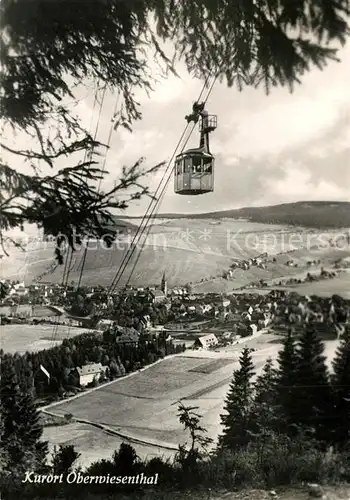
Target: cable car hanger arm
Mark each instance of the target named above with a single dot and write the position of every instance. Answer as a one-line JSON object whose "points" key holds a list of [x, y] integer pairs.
{"points": [[197, 111]]}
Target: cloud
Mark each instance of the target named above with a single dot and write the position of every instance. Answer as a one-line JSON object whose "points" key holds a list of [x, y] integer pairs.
{"points": [[283, 126], [298, 184], [273, 148]]}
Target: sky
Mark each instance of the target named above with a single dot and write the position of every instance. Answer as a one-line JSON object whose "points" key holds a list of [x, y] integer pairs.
{"points": [[269, 149]]}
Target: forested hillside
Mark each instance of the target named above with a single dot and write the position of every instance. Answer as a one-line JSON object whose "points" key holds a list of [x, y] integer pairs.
{"points": [[318, 214]]}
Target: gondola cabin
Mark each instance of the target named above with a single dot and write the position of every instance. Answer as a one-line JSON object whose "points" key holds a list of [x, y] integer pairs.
{"points": [[194, 172], [194, 168]]}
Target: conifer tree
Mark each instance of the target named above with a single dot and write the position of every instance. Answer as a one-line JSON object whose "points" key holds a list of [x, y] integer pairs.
{"points": [[312, 401], [3, 454], [238, 405], [285, 381], [125, 459], [64, 459], [265, 411], [190, 455], [341, 390], [21, 430]]}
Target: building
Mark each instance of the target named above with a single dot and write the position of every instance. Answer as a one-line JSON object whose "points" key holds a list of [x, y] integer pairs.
{"points": [[206, 342], [164, 285], [158, 296], [18, 290], [253, 328], [90, 372]]}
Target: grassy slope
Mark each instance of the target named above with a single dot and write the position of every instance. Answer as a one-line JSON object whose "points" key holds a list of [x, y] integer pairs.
{"points": [[208, 252], [143, 405], [32, 338], [168, 249]]}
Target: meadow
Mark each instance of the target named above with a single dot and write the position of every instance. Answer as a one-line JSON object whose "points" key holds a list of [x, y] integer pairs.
{"points": [[33, 338], [95, 444], [145, 405], [25, 309], [340, 285]]}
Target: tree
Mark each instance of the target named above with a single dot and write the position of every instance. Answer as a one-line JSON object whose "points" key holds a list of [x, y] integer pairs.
{"points": [[125, 459], [3, 455], [279, 42], [189, 457], [265, 410], [49, 48], [64, 459], [341, 389], [285, 384], [4, 289], [238, 405], [312, 399], [21, 430]]}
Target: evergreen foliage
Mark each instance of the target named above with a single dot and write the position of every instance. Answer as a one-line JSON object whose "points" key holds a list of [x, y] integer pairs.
{"points": [[189, 457], [268, 455], [119, 358], [21, 430], [341, 389], [286, 380], [126, 460], [268, 41], [266, 413], [313, 397], [64, 460], [238, 405]]}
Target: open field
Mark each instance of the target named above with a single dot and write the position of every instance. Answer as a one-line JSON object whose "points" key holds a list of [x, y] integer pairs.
{"points": [[94, 444], [339, 285], [144, 405], [188, 250], [24, 309], [32, 338]]}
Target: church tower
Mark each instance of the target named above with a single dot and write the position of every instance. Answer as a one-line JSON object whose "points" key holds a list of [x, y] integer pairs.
{"points": [[163, 285]]}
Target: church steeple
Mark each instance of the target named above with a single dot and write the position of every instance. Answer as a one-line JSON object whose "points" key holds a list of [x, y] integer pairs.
{"points": [[163, 285]]}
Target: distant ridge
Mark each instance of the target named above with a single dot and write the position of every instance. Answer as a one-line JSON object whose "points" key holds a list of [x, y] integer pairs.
{"points": [[317, 214], [123, 225]]}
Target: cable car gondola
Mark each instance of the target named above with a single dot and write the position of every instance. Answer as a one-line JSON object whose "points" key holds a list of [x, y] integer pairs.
{"points": [[194, 168]]}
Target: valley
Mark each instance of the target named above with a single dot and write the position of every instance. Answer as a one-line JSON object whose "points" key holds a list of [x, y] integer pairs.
{"points": [[141, 407]]}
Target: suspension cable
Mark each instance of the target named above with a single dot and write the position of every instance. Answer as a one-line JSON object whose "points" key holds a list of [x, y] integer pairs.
{"points": [[150, 209], [125, 260], [100, 181], [162, 195], [153, 212], [88, 154]]}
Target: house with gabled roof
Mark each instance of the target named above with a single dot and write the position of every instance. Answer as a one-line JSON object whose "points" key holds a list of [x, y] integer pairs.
{"points": [[89, 372], [206, 341]]}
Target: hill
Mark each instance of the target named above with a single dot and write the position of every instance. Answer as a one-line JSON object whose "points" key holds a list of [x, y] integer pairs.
{"points": [[317, 214], [195, 251], [122, 225]]}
